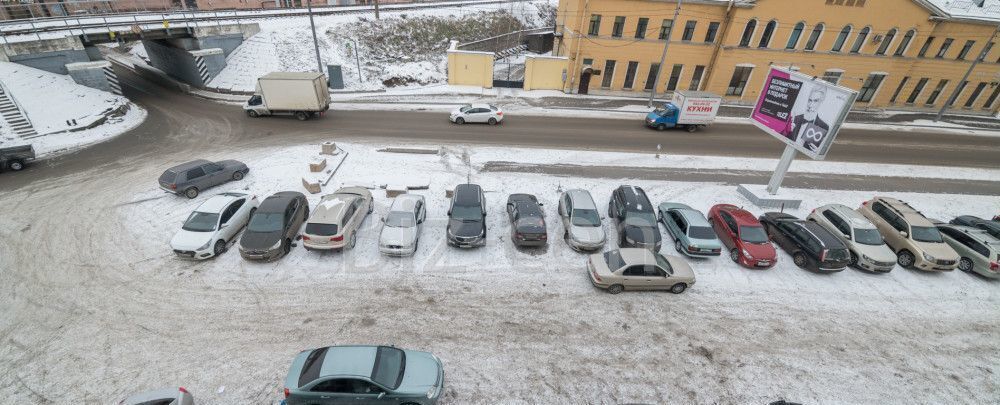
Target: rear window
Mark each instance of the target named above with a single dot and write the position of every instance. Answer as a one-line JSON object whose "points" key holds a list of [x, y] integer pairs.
{"points": [[168, 177], [837, 254], [614, 260], [701, 232], [321, 229]]}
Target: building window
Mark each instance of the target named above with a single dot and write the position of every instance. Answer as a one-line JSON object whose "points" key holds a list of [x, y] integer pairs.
{"points": [[618, 28], [917, 90], [958, 92], [886, 41], [765, 38], [696, 78], [630, 74], [975, 94], [595, 25], [986, 51], [860, 41], [937, 91], [748, 33], [965, 49], [841, 38], [899, 89], [739, 81], [814, 37], [905, 43], [651, 77], [689, 30], [944, 48], [793, 40], [665, 29], [993, 97], [588, 62], [609, 73], [927, 45], [675, 76], [713, 30], [640, 29], [870, 87], [833, 76]]}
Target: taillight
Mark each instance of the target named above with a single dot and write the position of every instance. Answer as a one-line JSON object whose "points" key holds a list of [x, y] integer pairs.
{"points": [[499, 112], [994, 266], [822, 256], [596, 277], [173, 186], [337, 238], [181, 389], [864, 203], [813, 211], [692, 249], [304, 237], [287, 393], [519, 235], [544, 236]]}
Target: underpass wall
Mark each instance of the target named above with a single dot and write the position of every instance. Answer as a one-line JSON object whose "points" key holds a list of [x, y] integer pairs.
{"points": [[176, 62]]}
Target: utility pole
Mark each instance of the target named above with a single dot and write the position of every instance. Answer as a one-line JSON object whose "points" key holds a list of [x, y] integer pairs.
{"points": [[663, 57], [958, 87], [376, 9], [319, 62]]}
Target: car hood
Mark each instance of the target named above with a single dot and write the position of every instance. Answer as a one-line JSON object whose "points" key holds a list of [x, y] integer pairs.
{"points": [[232, 164], [259, 240], [587, 234], [465, 229], [879, 253], [682, 269], [642, 234], [187, 240], [456, 112], [397, 236], [421, 373], [938, 250], [760, 251]]}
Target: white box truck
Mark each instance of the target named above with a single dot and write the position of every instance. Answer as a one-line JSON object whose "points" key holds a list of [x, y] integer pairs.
{"points": [[301, 94], [687, 109]]}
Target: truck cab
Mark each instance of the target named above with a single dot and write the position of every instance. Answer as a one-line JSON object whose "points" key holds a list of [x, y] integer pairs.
{"points": [[689, 110], [664, 117], [14, 158]]}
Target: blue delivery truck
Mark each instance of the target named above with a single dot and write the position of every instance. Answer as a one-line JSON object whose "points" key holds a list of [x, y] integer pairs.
{"points": [[688, 110]]}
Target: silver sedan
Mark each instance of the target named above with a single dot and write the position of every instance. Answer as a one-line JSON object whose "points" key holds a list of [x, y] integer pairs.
{"points": [[401, 226], [581, 221]]}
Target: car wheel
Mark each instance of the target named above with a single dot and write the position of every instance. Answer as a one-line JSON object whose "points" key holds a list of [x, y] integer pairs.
{"points": [[492, 121], [252, 114], [16, 165], [661, 127], [735, 255], [371, 207], [678, 288], [800, 259], [288, 246], [677, 245], [301, 116], [459, 120], [854, 260], [354, 240], [905, 259], [220, 247], [616, 288], [965, 264], [191, 192], [238, 175], [691, 128]]}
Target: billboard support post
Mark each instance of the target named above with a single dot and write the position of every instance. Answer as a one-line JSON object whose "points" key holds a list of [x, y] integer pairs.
{"points": [[779, 172]]}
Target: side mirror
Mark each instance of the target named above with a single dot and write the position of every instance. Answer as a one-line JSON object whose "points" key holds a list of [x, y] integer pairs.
{"points": [[903, 234], [381, 394], [847, 236], [449, 213], [382, 219], [223, 226]]}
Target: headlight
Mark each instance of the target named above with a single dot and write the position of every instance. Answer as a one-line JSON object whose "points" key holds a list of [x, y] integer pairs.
{"points": [[928, 257], [431, 393], [276, 245], [483, 233], [747, 254], [867, 259], [205, 246]]}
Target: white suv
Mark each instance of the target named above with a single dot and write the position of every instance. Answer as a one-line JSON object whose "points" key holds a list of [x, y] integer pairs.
{"points": [[868, 249], [335, 222]]}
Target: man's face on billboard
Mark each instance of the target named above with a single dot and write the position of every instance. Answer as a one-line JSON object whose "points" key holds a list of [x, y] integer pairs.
{"points": [[812, 105]]}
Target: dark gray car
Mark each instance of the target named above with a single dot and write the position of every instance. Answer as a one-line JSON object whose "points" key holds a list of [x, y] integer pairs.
{"points": [[192, 177], [527, 220], [634, 218], [467, 217], [991, 227], [274, 226]]}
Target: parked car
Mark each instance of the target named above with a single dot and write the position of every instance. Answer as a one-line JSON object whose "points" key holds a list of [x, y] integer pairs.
{"points": [[743, 235], [467, 217], [811, 246], [639, 269], [166, 396], [915, 239], [692, 234], [581, 222], [868, 250], [193, 177], [402, 225], [14, 158], [364, 375], [978, 250], [335, 222], [477, 113], [527, 220], [991, 227], [634, 218], [208, 231], [274, 226]]}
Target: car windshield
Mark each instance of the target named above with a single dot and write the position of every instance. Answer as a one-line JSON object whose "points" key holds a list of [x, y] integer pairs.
{"points": [[701, 232], [753, 234], [661, 111], [390, 364], [640, 218], [400, 219], [321, 229], [586, 218], [266, 222], [837, 254], [465, 108], [926, 234], [868, 237], [467, 212], [530, 222], [614, 260], [201, 222]]}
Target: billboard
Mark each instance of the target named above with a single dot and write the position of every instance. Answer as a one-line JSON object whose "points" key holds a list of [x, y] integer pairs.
{"points": [[802, 111]]}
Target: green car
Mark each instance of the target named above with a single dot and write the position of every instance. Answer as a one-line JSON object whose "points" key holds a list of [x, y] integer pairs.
{"points": [[978, 250], [364, 375], [692, 234]]}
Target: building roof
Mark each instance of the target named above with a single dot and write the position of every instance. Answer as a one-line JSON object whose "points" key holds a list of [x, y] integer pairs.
{"points": [[976, 10], [292, 75]]}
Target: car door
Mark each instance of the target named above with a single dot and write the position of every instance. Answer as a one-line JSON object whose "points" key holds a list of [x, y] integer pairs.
{"points": [[214, 175], [658, 278], [333, 391], [727, 229], [678, 227], [634, 278], [420, 214], [229, 223], [291, 219], [783, 233], [885, 224], [357, 212], [195, 178]]}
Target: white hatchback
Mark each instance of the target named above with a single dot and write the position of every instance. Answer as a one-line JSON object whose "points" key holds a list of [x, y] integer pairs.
{"points": [[208, 231], [479, 113], [401, 226]]}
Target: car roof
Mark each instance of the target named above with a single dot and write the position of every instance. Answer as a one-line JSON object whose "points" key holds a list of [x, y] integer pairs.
{"points": [[405, 202], [581, 199], [980, 235], [636, 256], [189, 165], [331, 207], [781, 216], [909, 213], [824, 235], [853, 217], [521, 197], [355, 190], [217, 203], [348, 360], [528, 208], [692, 216], [742, 216], [278, 201], [635, 199], [467, 193], [481, 105], [157, 395]]}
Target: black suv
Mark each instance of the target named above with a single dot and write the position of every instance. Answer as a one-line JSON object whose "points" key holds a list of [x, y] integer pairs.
{"points": [[635, 219], [467, 217], [812, 246]]}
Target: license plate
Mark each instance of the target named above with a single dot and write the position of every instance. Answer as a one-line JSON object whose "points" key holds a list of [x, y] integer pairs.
{"points": [[763, 262]]}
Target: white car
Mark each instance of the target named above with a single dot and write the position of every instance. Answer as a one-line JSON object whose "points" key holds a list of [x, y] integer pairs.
{"points": [[401, 228], [481, 113], [862, 238], [208, 231]]}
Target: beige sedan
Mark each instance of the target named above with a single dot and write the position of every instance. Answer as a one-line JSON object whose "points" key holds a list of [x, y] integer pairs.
{"points": [[639, 269]]}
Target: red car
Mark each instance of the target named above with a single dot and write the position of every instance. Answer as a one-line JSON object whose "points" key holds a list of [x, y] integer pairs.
{"points": [[743, 235]]}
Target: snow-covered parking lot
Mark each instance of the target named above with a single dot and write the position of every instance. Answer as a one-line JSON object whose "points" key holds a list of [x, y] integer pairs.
{"points": [[100, 307]]}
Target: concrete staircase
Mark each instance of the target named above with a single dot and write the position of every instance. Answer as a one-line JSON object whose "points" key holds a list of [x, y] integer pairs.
{"points": [[15, 118]]}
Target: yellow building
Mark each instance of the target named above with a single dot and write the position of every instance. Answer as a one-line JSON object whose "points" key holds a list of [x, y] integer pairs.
{"points": [[896, 53]]}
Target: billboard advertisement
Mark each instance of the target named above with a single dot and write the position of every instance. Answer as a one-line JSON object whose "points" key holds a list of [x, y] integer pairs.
{"points": [[802, 111]]}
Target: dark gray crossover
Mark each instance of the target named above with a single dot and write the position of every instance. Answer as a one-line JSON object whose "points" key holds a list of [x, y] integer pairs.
{"points": [[634, 218], [527, 220], [274, 225], [467, 217], [193, 177]]}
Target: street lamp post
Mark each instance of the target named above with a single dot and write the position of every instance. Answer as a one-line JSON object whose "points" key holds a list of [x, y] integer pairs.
{"points": [[312, 24], [663, 57]]}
